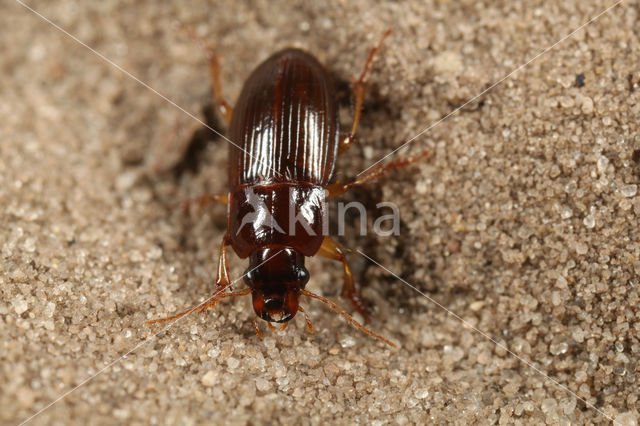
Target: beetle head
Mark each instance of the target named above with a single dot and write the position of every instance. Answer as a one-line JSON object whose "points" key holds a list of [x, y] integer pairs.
{"points": [[276, 276]]}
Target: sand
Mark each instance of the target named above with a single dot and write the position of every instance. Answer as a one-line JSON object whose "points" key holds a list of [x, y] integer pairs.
{"points": [[524, 223]]}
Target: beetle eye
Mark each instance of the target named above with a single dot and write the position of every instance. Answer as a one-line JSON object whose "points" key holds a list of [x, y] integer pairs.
{"points": [[303, 276]]}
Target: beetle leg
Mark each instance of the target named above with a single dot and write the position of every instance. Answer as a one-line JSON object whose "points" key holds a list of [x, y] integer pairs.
{"points": [[346, 140], [222, 278], [203, 201], [332, 250], [358, 96], [214, 71], [374, 173]]}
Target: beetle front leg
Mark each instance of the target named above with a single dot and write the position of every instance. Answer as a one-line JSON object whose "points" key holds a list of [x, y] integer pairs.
{"points": [[332, 250], [222, 278], [222, 282]]}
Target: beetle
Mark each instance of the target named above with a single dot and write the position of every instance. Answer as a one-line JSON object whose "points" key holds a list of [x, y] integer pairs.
{"points": [[285, 141]]}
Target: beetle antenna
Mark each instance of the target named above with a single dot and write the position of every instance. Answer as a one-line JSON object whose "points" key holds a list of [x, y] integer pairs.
{"points": [[210, 303], [346, 316]]}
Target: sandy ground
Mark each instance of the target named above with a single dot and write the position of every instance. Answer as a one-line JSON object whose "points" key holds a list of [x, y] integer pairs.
{"points": [[524, 224]]}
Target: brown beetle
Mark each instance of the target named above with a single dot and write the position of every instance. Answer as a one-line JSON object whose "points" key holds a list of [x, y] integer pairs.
{"points": [[286, 140]]}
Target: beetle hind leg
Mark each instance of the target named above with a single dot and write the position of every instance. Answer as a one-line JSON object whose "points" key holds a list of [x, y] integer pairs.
{"points": [[214, 71], [359, 86]]}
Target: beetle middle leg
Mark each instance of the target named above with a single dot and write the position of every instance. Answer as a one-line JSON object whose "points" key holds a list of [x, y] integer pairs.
{"points": [[332, 250], [203, 201], [374, 173], [358, 96], [222, 277]]}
